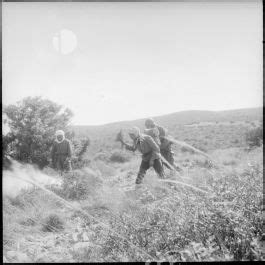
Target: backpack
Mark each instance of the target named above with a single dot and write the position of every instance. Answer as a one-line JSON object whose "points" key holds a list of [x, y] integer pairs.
{"points": [[154, 133]]}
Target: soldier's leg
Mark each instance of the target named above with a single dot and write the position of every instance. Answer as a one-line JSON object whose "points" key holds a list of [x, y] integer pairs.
{"points": [[158, 167], [165, 155], [170, 158], [142, 171]]}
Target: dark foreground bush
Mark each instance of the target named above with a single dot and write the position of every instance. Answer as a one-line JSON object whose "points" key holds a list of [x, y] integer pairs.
{"points": [[78, 184], [53, 223], [254, 137], [119, 156]]}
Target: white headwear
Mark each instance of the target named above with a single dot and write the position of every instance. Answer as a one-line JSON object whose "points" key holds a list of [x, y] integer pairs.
{"points": [[135, 131], [59, 132]]}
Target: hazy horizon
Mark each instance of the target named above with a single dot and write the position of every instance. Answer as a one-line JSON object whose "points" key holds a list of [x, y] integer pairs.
{"points": [[202, 110], [111, 62]]}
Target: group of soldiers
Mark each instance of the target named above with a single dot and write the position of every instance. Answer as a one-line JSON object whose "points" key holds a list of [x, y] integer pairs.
{"points": [[154, 145]]}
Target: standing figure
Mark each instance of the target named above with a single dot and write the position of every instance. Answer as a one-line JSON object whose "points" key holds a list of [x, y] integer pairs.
{"points": [[151, 156], [61, 152]]}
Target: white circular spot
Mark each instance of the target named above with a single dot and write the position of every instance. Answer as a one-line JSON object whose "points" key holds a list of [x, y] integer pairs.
{"points": [[64, 41]]}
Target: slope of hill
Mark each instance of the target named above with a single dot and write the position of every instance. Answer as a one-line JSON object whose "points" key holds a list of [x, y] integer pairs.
{"points": [[96, 214], [178, 118], [206, 130]]}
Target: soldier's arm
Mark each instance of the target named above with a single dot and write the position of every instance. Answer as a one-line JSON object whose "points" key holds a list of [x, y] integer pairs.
{"points": [[130, 147]]}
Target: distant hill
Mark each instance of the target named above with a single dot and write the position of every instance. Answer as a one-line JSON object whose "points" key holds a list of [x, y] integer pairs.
{"points": [[172, 120]]}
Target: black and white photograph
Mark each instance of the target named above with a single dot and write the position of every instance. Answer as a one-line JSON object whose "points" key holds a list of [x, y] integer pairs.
{"points": [[132, 131]]}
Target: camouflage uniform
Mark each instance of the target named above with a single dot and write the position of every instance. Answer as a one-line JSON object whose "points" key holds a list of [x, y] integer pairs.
{"points": [[61, 153], [150, 154]]}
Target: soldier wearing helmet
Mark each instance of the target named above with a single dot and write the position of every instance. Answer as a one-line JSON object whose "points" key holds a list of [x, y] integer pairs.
{"points": [[150, 153], [61, 152]]}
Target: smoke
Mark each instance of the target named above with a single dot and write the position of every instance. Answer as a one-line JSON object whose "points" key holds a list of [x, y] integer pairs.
{"points": [[13, 182]]}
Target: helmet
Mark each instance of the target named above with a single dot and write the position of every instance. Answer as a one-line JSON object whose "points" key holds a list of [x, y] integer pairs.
{"points": [[149, 123], [134, 131]]}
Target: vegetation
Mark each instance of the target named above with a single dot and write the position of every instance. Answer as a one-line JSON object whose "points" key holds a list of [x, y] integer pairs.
{"points": [[80, 147], [78, 184], [254, 137], [52, 223], [33, 122], [95, 215], [119, 156]]}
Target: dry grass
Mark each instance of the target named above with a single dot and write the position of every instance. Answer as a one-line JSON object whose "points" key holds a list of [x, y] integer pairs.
{"points": [[169, 221]]}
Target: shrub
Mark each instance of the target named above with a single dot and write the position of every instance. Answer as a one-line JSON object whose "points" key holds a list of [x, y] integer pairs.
{"points": [[78, 184], [32, 123], [235, 141], [79, 150], [105, 169], [80, 146], [254, 137], [119, 156], [101, 156], [230, 162], [80, 163], [53, 222]]}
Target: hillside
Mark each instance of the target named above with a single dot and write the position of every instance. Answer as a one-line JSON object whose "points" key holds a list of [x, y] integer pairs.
{"points": [[178, 118], [95, 213], [206, 130]]}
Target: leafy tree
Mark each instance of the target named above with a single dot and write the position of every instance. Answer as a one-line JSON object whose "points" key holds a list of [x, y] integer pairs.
{"points": [[33, 122]]}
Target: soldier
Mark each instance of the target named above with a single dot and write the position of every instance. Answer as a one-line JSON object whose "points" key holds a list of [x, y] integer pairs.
{"points": [[61, 152], [151, 156], [158, 132]]}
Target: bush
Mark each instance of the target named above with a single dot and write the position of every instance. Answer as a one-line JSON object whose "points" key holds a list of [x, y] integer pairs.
{"points": [[105, 169], [119, 156], [78, 184], [32, 123], [53, 223], [80, 149], [80, 146], [254, 137], [101, 156]]}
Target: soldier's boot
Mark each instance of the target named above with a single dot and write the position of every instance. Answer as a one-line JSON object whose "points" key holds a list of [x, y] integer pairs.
{"points": [[139, 179]]}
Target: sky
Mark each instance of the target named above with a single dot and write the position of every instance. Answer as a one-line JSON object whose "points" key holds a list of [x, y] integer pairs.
{"points": [[110, 62]]}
